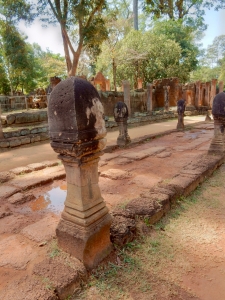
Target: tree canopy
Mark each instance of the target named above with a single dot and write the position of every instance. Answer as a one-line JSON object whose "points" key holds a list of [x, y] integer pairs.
{"points": [[81, 23]]}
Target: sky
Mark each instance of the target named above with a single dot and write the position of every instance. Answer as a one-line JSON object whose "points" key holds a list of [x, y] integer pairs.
{"points": [[50, 37]]}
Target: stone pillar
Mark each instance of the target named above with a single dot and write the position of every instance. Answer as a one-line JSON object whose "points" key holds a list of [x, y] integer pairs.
{"points": [[217, 146], [1, 131], [149, 97], [126, 91], [77, 131], [213, 91], [107, 85], [202, 95], [197, 93], [166, 97], [26, 104], [12, 103], [180, 111], [221, 86], [140, 83], [207, 93], [121, 115]]}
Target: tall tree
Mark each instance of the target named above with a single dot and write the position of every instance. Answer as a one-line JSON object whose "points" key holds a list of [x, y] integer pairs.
{"points": [[81, 26], [190, 11]]}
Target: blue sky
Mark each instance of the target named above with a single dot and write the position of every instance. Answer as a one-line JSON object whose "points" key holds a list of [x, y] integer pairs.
{"points": [[50, 37]]}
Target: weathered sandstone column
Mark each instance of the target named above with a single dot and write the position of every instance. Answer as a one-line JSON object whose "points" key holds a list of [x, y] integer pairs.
{"points": [[217, 145], [198, 93], [166, 97], [140, 83], [107, 85], [77, 131], [213, 91], [207, 93], [1, 131], [221, 86], [121, 115], [149, 97], [126, 91], [180, 111]]}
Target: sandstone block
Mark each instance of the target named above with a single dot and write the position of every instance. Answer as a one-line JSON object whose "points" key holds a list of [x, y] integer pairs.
{"points": [[4, 144], [15, 143]]}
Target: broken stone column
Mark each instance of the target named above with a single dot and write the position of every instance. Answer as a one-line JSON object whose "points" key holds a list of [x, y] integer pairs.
{"points": [[217, 145], [221, 86], [149, 87], [1, 131], [180, 111], [166, 97], [121, 115], [77, 131], [26, 103], [126, 91], [12, 103], [207, 93], [198, 93]]}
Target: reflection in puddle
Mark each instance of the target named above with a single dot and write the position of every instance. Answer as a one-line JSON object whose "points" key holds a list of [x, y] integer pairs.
{"points": [[52, 200]]}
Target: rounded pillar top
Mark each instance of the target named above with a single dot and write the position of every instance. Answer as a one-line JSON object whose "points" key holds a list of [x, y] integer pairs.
{"points": [[75, 116], [218, 107]]}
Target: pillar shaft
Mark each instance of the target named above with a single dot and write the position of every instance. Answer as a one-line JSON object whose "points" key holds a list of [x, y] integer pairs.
{"points": [[126, 91], [1, 131], [149, 97]]}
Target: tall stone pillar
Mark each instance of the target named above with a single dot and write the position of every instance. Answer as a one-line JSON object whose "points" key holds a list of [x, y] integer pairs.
{"points": [[149, 97], [207, 93], [221, 85], [1, 131], [197, 93], [166, 97], [126, 91], [213, 91], [77, 131], [180, 111]]}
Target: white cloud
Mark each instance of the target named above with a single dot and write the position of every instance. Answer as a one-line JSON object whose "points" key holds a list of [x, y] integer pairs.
{"points": [[47, 37]]}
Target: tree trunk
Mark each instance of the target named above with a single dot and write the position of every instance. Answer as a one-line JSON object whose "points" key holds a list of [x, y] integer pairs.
{"points": [[114, 74], [76, 57], [66, 51], [135, 13]]}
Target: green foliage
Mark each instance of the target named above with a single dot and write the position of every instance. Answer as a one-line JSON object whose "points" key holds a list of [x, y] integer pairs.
{"points": [[191, 12], [212, 63]]}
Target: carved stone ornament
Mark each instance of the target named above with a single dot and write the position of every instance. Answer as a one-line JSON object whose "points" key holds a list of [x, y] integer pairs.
{"points": [[76, 122], [120, 116]]}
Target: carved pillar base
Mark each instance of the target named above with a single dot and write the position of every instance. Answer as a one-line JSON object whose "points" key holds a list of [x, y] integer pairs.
{"points": [[123, 138], [180, 124], [217, 146], [84, 228]]}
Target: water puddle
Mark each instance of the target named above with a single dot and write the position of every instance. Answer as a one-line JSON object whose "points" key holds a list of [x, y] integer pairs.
{"points": [[52, 200]]}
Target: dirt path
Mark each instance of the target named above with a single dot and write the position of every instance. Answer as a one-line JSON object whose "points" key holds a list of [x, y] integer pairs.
{"points": [[38, 152], [181, 258]]}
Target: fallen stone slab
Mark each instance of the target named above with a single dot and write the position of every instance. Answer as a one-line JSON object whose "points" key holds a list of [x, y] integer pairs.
{"points": [[116, 174], [21, 170], [36, 166], [5, 212], [42, 230], [20, 198], [143, 153], [7, 191], [6, 176], [25, 182]]}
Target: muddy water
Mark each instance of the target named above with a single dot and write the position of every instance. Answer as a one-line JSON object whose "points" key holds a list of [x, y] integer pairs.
{"points": [[52, 200]]}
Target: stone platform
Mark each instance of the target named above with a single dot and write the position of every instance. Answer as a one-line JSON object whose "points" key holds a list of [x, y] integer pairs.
{"points": [[144, 180]]}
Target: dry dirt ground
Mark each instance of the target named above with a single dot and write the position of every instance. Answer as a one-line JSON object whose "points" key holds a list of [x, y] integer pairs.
{"points": [[29, 252], [180, 257]]}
